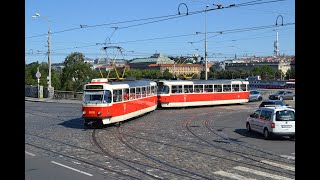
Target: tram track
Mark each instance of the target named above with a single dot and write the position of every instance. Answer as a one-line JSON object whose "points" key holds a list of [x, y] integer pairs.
{"points": [[206, 123], [99, 152], [178, 170], [119, 160], [90, 151], [247, 160], [90, 163]]}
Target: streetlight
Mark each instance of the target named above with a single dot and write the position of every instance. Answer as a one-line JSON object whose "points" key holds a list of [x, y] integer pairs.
{"points": [[276, 43], [50, 88]]}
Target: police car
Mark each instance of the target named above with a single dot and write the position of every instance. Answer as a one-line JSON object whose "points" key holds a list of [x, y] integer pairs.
{"points": [[272, 120]]}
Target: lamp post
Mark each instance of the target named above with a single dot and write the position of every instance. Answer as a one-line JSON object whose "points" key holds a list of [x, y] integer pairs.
{"points": [[205, 43], [50, 88]]}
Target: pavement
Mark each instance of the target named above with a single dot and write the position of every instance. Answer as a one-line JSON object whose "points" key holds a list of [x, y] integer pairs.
{"points": [[50, 100]]}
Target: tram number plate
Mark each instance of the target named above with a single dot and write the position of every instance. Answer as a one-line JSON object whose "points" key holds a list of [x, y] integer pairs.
{"points": [[91, 112], [286, 126]]}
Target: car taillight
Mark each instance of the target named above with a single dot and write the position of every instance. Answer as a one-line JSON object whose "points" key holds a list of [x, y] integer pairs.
{"points": [[272, 125]]}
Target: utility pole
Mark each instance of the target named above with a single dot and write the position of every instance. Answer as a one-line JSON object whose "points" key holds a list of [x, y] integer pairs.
{"points": [[205, 44], [50, 88], [49, 61]]}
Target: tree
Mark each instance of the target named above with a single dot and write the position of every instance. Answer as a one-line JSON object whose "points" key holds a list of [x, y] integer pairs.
{"points": [[76, 72], [133, 73], [290, 74], [30, 71], [167, 75]]}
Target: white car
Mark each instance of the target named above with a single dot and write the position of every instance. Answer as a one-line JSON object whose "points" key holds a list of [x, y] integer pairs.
{"points": [[272, 120]]}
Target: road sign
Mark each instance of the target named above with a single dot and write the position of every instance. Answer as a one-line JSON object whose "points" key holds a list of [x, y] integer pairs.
{"points": [[38, 74]]}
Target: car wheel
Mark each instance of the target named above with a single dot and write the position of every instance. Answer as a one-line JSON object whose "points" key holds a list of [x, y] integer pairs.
{"points": [[266, 134], [248, 127], [281, 98], [260, 98]]}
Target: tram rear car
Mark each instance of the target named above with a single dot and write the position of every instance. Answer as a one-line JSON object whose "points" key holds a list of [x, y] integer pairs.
{"points": [[183, 93], [110, 102]]}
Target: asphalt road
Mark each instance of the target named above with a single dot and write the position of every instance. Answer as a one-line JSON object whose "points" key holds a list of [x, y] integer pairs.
{"points": [[191, 143]]}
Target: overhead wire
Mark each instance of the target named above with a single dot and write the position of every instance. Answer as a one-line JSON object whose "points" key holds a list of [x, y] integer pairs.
{"points": [[230, 31], [168, 17]]}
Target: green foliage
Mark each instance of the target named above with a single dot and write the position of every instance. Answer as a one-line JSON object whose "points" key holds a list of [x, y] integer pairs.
{"points": [[30, 75], [133, 73], [167, 75], [146, 74], [76, 73], [290, 74]]}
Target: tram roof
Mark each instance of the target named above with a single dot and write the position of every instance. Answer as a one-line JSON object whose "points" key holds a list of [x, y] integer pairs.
{"points": [[218, 81], [122, 84], [133, 83]]}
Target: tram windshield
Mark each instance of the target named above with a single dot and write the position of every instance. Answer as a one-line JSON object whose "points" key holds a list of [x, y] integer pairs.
{"points": [[97, 97]]}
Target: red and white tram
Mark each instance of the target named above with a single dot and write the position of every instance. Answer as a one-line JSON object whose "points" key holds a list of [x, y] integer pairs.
{"points": [[182, 93], [110, 102]]}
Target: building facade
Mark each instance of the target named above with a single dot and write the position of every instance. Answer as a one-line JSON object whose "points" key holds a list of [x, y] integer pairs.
{"points": [[281, 65], [179, 69], [143, 63]]}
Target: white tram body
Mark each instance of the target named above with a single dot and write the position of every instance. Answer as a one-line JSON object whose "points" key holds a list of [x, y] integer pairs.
{"points": [[110, 102], [182, 93]]}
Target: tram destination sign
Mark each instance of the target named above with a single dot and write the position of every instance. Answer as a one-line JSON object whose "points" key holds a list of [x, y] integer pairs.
{"points": [[94, 87]]}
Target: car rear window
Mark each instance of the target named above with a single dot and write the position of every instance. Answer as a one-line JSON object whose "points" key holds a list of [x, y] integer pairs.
{"points": [[285, 115], [266, 103]]}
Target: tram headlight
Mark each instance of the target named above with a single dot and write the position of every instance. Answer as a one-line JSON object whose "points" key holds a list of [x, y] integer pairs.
{"points": [[83, 112], [99, 113]]}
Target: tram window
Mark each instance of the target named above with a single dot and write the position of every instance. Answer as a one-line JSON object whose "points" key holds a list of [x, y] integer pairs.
{"points": [[217, 88], [143, 91], [188, 88], [208, 88], [148, 90], [107, 97], [243, 87], [235, 87], [117, 95], [198, 88], [153, 90], [132, 93], [160, 86], [126, 94], [138, 92], [226, 88], [165, 89], [176, 89]]}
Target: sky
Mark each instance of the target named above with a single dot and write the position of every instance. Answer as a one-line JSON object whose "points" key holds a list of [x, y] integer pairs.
{"points": [[138, 29]]}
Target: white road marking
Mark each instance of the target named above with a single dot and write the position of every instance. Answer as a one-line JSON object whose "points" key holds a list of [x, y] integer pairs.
{"points": [[260, 173], [290, 168], [288, 157], [230, 175], [72, 168], [29, 153]]}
